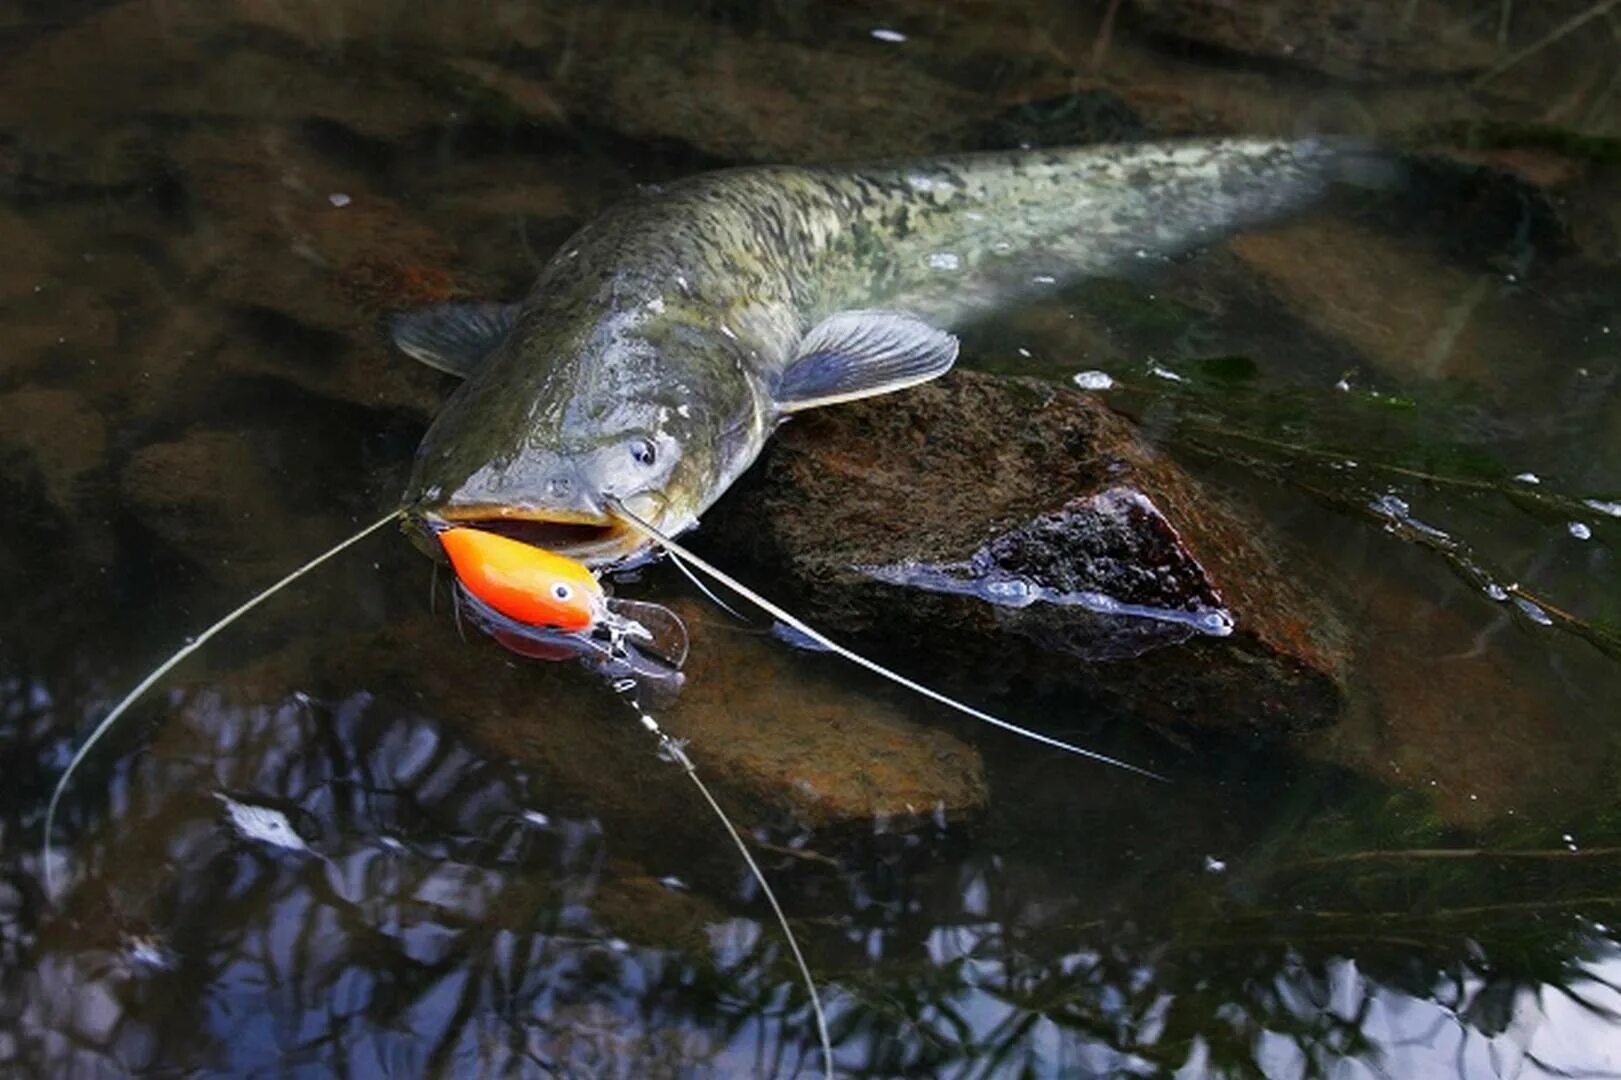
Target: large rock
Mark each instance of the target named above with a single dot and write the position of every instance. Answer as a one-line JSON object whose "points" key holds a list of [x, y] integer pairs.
{"points": [[59, 436], [783, 738], [1461, 731], [1020, 533], [1361, 40], [220, 498]]}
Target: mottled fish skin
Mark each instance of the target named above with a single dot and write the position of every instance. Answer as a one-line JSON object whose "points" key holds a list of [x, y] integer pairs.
{"points": [[669, 319]]}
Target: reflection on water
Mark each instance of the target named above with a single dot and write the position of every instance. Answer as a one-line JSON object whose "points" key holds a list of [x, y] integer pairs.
{"points": [[341, 838]]}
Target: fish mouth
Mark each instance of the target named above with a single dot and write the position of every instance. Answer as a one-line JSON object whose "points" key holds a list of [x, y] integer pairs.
{"points": [[594, 539]]}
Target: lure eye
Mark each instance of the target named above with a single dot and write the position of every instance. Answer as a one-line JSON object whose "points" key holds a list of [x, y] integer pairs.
{"points": [[644, 452], [562, 591]]}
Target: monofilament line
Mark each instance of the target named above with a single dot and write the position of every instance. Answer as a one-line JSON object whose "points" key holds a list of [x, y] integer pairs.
{"points": [[679, 552], [672, 749], [698, 583], [168, 665]]}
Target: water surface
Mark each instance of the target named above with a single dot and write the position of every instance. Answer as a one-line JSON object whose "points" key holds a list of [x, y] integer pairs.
{"points": [[479, 865]]}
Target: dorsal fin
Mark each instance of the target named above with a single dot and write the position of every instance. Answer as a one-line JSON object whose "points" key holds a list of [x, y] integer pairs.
{"points": [[454, 338]]}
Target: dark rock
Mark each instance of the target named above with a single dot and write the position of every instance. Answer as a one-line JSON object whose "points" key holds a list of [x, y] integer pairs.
{"points": [[1481, 211], [1358, 41], [61, 437], [29, 257], [1074, 119], [896, 522], [213, 491]]}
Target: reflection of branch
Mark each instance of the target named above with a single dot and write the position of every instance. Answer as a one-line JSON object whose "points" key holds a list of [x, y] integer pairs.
{"points": [[1515, 492], [802, 854], [1510, 907], [1458, 556], [1452, 854], [1563, 29], [1100, 47], [1293, 941]]}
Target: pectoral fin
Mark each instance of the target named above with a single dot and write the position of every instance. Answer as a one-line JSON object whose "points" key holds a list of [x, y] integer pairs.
{"points": [[454, 338], [857, 354]]}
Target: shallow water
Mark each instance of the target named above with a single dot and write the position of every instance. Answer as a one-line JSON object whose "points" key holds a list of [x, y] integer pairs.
{"points": [[343, 840]]}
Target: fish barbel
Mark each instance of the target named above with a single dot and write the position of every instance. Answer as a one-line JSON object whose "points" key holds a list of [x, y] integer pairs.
{"points": [[666, 339]]}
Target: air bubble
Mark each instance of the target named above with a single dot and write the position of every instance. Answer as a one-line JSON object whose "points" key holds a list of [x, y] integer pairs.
{"points": [[1014, 591], [1604, 506], [1006, 590], [1391, 506], [1533, 612]]}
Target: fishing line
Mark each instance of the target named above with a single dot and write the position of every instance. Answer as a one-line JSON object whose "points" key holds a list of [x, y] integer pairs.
{"points": [[679, 552], [707, 591], [168, 665], [672, 750]]}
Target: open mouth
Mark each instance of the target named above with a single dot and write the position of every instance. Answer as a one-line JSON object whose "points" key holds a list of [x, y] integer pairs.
{"points": [[594, 540], [551, 535]]}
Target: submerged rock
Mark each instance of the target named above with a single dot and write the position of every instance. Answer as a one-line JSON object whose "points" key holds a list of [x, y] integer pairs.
{"points": [[214, 494], [1355, 41], [783, 738], [1017, 532], [58, 435], [1445, 720]]}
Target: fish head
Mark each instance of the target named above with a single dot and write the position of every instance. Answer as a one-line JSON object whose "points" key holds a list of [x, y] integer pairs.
{"points": [[540, 451]]}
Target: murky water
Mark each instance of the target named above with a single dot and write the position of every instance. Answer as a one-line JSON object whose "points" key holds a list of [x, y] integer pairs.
{"points": [[342, 839]]}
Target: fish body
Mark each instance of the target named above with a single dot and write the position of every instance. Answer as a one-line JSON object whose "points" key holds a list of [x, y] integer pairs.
{"points": [[666, 339]]}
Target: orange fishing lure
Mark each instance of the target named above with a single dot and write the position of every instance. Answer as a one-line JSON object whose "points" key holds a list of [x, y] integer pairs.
{"points": [[528, 584]]}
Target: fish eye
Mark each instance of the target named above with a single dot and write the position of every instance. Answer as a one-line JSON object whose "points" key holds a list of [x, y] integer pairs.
{"points": [[562, 591], [644, 452]]}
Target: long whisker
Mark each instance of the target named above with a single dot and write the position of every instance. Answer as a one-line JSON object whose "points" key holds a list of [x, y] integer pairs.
{"points": [[168, 665], [707, 591], [678, 551]]}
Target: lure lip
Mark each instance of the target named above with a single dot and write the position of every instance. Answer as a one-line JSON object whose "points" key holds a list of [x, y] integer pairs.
{"points": [[593, 645]]}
